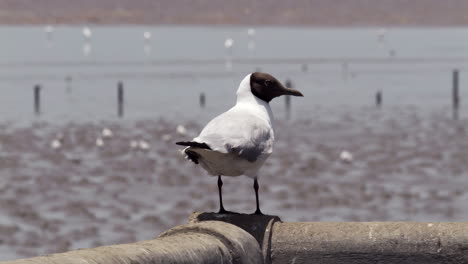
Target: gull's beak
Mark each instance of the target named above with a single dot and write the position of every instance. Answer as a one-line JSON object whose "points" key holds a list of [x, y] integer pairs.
{"points": [[290, 91]]}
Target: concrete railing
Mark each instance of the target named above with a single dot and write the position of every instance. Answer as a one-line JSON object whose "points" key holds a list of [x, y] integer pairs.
{"points": [[214, 238]]}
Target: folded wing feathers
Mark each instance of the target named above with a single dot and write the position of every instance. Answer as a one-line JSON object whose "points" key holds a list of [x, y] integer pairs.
{"points": [[246, 137], [193, 144], [192, 155]]}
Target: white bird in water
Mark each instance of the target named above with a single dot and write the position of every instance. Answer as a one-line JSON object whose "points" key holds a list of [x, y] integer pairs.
{"points": [[228, 43], [56, 144], [133, 144], [147, 42], [251, 41], [49, 29], [87, 33], [346, 156], [147, 35], [107, 133], [238, 141], [251, 32], [166, 137], [99, 142], [180, 129], [143, 145]]}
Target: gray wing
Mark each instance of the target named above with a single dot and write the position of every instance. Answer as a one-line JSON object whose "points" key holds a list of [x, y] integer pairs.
{"points": [[239, 133]]}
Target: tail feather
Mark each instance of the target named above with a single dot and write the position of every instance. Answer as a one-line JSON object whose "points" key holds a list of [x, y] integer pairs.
{"points": [[193, 144], [192, 155]]}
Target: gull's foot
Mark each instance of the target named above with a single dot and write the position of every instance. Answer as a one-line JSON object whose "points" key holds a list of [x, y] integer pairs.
{"points": [[258, 212], [222, 211]]}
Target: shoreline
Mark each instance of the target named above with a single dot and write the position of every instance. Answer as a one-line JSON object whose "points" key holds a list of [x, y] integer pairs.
{"points": [[336, 13], [202, 25]]}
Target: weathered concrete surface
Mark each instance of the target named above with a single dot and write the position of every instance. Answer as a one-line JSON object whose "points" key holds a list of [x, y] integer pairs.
{"points": [[208, 242], [274, 242], [259, 226], [372, 242], [351, 242], [256, 225]]}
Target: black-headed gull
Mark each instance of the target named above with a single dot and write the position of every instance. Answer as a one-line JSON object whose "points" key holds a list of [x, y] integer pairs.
{"points": [[238, 141]]}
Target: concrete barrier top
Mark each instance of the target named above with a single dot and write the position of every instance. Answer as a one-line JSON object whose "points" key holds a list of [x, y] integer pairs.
{"points": [[237, 238], [353, 242], [209, 242], [370, 242]]}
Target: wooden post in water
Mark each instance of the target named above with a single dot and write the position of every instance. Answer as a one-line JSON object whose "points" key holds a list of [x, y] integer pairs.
{"points": [[120, 99], [344, 71], [455, 94], [68, 81], [202, 100], [378, 99], [287, 99], [37, 99]]}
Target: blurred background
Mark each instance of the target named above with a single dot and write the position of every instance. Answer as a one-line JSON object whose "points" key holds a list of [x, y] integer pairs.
{"points": [[93, 96]]}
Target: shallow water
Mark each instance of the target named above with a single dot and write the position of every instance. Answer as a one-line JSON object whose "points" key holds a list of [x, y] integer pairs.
{"points": [[186, 61], [408, 166]]}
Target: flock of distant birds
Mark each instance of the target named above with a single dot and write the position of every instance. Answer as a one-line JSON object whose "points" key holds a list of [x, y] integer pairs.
{"points": [[228, 43], [87, 34], [106, 134], [142, 145]]}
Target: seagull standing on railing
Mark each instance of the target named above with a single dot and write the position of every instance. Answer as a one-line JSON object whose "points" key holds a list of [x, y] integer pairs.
{"points": [[238, 141]]}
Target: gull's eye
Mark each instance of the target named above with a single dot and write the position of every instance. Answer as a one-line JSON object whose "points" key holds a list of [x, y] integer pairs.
{"points": [[267, 83]]}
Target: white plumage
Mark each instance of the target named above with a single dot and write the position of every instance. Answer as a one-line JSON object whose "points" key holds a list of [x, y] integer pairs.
{"points": [[238, 141], [241, 139]]}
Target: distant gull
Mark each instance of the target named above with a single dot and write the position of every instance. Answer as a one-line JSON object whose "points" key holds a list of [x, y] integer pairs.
{"points": [[147, 42], [143, 145], [147, 35], [238, 141], [139, 145], [133, 144], [99, 142], [251, 42], [346, 156], [107, 133], [49, 29], [251, 32], [228, 43], [166, 137], [180, 129], [87, 32], [56, 144]]}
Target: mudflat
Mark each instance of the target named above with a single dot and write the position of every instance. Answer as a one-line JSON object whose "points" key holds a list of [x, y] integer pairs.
{"points": [[407, 165]]}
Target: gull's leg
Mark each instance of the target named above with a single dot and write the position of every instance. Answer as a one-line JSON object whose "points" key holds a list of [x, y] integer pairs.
{"points": [[220, 185], [221, 207], [258, 212]]}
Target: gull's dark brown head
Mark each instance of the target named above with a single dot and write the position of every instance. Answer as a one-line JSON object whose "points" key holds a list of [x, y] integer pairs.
{"points": [[266, 87]]}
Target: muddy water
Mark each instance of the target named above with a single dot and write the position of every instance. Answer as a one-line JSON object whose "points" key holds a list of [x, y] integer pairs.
{"points": [[406, 166]]}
